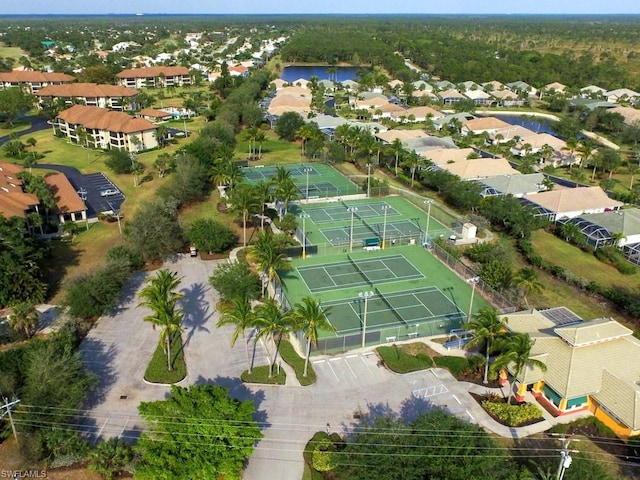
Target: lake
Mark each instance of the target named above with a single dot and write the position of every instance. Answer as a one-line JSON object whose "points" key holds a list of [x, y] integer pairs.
{"points": [[294, 72], [532, 123]]}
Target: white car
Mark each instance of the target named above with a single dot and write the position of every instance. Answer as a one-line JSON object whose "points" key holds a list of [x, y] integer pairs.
{"points": [[110, 192]]}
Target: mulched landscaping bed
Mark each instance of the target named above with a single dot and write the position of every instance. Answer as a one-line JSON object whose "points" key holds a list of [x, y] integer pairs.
{"points": [[481, 398]]}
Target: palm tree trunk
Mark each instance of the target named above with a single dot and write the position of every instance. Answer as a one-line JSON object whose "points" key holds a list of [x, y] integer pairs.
{"points": [[396, 165], [306, 360], [244, 230], [169, 366], [246, 350], [486, 365]]}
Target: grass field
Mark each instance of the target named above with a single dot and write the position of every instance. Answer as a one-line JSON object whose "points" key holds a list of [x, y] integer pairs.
{"points": [[582, 264], [11, 52]]}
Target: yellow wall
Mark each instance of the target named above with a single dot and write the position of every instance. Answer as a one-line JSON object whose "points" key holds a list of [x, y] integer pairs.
{"points": [[620, 429]]}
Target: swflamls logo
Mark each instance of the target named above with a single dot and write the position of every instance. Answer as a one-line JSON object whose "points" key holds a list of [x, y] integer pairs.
{"points": [[15, 474]]}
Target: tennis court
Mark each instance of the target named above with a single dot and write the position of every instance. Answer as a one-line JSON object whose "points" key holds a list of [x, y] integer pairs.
{"points": [[406, 308], [317, 190], [340, 212], [255, 174], [355, 273], [363, 230]]}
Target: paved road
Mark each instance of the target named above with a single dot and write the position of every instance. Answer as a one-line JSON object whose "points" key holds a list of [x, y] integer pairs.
{"points": [[119, 347], [37, 124]]}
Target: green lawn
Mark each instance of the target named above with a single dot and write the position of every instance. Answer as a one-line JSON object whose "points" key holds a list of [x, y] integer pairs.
{"points": [[582, 264], [11, 52], [261, 375], [399, 360], [157, 371], [289, 355]]}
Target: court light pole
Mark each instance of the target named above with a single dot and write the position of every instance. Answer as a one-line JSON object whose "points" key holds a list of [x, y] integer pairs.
{"points": [[307, 170], [351, 210], [473, 281], [428, 203], [384, 226], [366, 296], [304, 217]]}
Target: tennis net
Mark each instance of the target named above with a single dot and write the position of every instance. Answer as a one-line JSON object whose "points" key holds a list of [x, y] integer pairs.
{"points": [[390, 307], [360, 271], [375, 230], [355, 209]]}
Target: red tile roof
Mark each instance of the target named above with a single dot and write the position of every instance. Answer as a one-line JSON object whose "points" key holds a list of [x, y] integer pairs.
{"points": [[27, 76], [102, 119], [153, 72], [66, 197], [86, 90], [13, 201]]}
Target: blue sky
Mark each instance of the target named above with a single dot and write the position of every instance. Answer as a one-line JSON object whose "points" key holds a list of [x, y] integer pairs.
{"points": [[321, 6]]}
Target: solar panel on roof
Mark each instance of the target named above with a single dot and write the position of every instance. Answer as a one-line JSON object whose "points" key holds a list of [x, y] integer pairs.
{"points": [[561, 316]]}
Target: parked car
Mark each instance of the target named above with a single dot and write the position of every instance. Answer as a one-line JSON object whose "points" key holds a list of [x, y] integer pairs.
{"points": [[110, 192]]}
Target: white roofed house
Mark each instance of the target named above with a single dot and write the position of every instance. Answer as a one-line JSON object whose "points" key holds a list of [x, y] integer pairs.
{"points": [[114, 97], [522, 88], [537, 143], [507, 98], [570, 202], [592, 91], [622, 95], [511, 133], [480, 97], [554, 87], [480, 125], [420, 114], [451, 96], [630, 114], [515, 185], [620, 228], [492, 86]]}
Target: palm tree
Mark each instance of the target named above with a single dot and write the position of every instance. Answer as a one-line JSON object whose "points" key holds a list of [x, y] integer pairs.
{"points": [[616, 238], [397, 148], [263, 190], [517, 354], [137, 169], [163, 163], [487, 327], [412, 161], [161, 135], [260, 138], [272, 325], [527, 280], [32, 143], [285, 192], [244, 202], [241, 315], [310, 317], [161, 297], [585, 150], [24, 316], [269, 257]]}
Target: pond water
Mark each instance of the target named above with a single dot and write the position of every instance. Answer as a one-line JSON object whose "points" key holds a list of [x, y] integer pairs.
{"points": [[294, 72], [532, 123]]}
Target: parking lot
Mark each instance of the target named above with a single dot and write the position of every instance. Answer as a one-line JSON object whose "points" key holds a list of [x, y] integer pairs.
{"points": [[349, 369], [89, 187]]}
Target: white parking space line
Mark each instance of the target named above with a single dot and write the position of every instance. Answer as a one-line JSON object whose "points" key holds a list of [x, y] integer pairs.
{"points": [[366, 364], [430, 391], [350, 369], [456, 398], [470, 416], [124, 427], [333, 371]]}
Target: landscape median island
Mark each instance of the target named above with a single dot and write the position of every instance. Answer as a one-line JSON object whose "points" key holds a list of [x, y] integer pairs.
{"points": [[157, 371]]}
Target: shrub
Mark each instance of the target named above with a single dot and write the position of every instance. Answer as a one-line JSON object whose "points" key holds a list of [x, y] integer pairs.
{"points": [[323, 455], [401, 362], [456, 365], [601, 428], [513, 415], [211, 236]]}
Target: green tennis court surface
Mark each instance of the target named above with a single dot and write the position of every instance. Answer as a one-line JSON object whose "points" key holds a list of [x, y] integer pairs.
{"points": [[392, 309], [362, 230], [354, 273], [339, 212], [255, 174]]}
